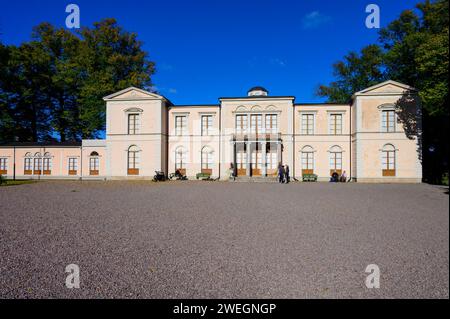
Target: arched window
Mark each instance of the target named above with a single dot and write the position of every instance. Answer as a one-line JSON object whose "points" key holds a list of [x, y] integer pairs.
{"points": [[336, 160], [180, 160], [37, 169], [388, 160], [47, 164], [133, 160], [94, 164], [28, 164], [207, 160], [307, 160]]}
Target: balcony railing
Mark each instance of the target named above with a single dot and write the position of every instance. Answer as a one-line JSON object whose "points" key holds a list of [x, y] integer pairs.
{"points": [[256, 137]]}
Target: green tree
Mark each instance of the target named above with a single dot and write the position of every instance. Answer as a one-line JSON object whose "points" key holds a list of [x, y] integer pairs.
{"points": [[54, 84], [356, 72]]}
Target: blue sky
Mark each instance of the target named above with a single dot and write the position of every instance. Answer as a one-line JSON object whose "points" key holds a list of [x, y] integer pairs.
{"points": [[209, 49]]}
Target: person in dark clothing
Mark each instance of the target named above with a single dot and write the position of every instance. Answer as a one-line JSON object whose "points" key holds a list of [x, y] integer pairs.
{"points": [[286, 174], [280, 173]]}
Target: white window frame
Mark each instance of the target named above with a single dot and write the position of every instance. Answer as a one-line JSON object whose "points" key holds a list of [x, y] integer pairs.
{"points": [[331, 123], [3, 164], [302, 128], [136, 124], [181, 130], [208, 130]]}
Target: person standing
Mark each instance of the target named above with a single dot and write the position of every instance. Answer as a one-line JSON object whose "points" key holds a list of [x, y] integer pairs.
{"points": [[280, 173], [344, 177], [286, 174]]}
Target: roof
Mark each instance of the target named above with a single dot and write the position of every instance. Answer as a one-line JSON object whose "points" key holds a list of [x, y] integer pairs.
{"points": [[42, 144], [395, 83], [256, 97], [258, 88]]}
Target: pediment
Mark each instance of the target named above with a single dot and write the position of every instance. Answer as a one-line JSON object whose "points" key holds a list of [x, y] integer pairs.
{"points": [[132, 93], [387, 87]]}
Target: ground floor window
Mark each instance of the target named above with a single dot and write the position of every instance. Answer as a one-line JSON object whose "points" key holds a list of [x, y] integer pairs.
{"points": [[28, 165], [73, 166], [307, 160], [180, 160], [47, 164], [94, 164], [388, 161], [37, 164], [335, 160], [133, 160], [207, 160], [3, 166]]}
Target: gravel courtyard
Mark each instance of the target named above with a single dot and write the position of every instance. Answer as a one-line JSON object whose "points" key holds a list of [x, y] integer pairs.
{"points": [[223, 240]]}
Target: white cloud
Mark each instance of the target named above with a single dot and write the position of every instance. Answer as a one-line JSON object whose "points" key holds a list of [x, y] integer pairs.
{"points": [[314, 19]]}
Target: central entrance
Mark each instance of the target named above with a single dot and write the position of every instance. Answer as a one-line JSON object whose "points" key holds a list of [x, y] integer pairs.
{"points": [[257, 158]]}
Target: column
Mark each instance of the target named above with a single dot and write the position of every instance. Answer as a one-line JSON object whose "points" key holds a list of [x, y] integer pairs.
{"points": [[249, 158], [264, 157], [279, 151]]}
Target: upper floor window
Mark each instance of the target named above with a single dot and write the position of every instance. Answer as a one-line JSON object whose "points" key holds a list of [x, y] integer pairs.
{"points": [[207, 123], [388, 121], [256, 123], [241, 124], [308, 124], [271, 123], [180, 124], [133, 124], [335, 124]]}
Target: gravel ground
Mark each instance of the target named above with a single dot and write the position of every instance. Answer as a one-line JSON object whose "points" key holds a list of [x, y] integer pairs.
{"points": [[223, 240]]}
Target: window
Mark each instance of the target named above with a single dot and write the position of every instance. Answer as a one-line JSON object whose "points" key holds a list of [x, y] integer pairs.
{"points": [[307, 160], [335, 124], [388, 121], [37, 164], [241, 124], [207, 160], [133, 124], [73, 166], [207, 122], [93, 164], [180, 125], [256, 123], [28, 164], [180, 159], [388, 160], [47, 164], [271, 124], [336, 160], [133, 160], [3, 166], [307, 124]]}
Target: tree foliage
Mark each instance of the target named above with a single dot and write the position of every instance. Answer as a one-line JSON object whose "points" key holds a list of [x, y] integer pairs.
{"points": [[52, 86]]}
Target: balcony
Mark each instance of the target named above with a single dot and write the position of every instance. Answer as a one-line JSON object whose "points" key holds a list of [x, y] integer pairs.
{"points": [[242, 137]]}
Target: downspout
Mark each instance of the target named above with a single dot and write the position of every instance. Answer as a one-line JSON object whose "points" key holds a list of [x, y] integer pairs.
{"points": [[350, 179], [220, 140], [293, 140], [81, 163], [14, 164]]}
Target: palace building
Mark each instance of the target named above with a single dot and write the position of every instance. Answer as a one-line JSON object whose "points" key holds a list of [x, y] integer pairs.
{"points": [[373, 138]]}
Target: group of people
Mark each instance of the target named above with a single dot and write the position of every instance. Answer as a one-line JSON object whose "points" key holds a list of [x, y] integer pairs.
{"points": [[336, 178], [283, 174]]}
